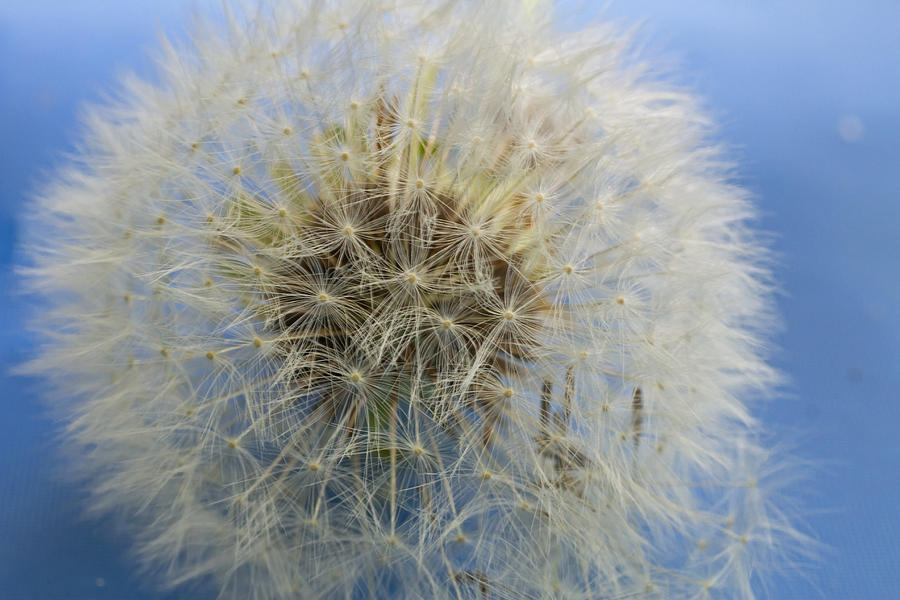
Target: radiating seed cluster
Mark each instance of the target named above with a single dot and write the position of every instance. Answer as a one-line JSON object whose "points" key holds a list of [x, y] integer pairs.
{"points": [[426, 300]]}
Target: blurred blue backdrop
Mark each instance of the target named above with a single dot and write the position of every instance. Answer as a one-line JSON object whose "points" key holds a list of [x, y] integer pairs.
{"points": [[808, 97]]}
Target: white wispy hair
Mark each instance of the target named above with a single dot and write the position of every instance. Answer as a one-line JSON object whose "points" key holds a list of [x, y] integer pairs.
{"points": [[413, 300]]}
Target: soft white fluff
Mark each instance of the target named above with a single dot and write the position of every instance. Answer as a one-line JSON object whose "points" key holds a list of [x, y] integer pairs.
{"points": [[413, 300]]}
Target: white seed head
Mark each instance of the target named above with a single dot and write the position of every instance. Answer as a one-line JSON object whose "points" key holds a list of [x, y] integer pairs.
{"points": [[449, 355]]}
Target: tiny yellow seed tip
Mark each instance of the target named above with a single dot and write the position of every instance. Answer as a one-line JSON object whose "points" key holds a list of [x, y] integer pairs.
{"points": [[257, 342], [210, 355]]}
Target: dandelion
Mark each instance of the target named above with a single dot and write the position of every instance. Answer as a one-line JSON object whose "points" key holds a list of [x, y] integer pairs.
{"points": [[412, 301]]}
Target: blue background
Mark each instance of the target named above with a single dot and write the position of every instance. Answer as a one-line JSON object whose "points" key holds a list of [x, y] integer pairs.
{"points": [[808, 98]]}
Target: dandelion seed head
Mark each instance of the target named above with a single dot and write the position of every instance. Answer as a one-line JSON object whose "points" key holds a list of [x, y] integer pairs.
{"points": [[479, 317]]}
